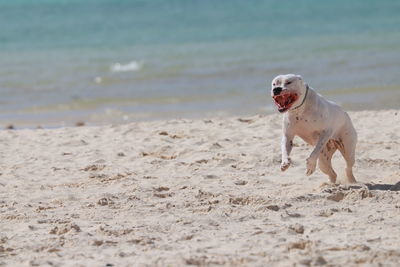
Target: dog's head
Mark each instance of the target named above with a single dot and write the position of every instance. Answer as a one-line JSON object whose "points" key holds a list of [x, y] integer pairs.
{"points": [[287, 91]]}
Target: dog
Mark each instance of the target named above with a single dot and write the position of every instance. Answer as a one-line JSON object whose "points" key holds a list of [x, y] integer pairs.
{"points": [[319, 122]]}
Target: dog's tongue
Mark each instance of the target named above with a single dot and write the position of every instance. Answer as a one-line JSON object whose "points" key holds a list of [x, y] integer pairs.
{"points": [[281, 100], [284, 101]]}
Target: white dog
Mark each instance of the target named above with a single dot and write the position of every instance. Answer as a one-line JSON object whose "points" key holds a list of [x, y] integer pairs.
{"points": [[319, 122]]}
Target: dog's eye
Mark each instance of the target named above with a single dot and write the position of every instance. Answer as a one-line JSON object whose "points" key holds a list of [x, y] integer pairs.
{"points": [[287, 83]]}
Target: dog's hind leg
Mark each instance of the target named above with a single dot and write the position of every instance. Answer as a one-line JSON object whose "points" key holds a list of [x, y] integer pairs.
{"points": [[349, 156], [324, 161], [347, 146]]}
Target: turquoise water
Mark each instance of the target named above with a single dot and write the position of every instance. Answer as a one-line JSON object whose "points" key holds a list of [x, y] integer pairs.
{"points": [[106, 61]]}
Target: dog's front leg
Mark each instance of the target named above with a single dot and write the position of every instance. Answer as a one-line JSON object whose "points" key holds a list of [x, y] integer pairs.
{"points": [[311, 161], [286, 147]]}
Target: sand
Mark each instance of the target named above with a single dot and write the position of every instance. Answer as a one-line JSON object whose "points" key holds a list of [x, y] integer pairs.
{"points": [[195, 192]]}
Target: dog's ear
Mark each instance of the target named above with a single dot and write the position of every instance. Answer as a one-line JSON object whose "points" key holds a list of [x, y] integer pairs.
{"points": [[299, 77]]}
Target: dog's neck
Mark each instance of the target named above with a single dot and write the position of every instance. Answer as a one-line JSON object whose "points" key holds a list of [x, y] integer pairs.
{"points": [[299, 108], [304, 99]]}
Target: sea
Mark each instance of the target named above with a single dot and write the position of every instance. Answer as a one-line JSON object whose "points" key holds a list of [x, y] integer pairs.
{"points": [[97, 62]]}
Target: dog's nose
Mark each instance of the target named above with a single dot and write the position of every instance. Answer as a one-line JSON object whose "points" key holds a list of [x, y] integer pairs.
{"points": [[277, 90]]}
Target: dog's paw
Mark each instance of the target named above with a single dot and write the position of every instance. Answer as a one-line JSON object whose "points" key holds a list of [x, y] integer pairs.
{"points": [[285, 165], [311, 165]]}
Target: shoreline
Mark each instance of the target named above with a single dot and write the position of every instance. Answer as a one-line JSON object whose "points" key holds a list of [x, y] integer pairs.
{"points": [[195, 192], [114, 116], [69, 114]]}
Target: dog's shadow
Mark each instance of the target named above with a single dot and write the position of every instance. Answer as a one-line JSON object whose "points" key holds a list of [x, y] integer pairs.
{"points": [[375, 187], [369, 186], [384, 187]]}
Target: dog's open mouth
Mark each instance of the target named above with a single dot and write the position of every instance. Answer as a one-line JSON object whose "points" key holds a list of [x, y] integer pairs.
{"points": [[285, 100]]}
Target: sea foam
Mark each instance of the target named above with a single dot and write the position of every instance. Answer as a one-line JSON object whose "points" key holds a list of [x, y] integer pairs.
{"points": [[131, 66]]}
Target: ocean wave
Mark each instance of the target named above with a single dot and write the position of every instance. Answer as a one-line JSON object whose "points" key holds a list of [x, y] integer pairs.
{"points": [[131, 66]]}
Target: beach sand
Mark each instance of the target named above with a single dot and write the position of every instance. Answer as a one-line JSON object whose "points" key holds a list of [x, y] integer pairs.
{"points": [[195, 192]]}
